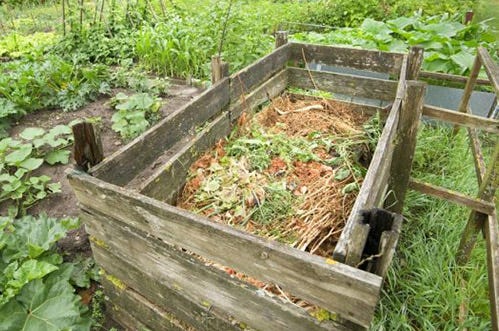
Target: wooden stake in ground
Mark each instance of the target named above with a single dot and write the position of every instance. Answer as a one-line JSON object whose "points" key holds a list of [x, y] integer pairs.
{"points": [[87, 146], [219, 69]]}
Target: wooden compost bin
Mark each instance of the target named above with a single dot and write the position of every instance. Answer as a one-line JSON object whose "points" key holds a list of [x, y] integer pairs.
{"points": [[147, 248]]}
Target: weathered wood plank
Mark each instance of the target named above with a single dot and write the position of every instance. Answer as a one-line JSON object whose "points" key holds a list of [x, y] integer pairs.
{"points": [[451, 78], [263, 93], [173, 301], [252, 76], [166, 182], [376, 61], [134, 312], [354, 235], [122, 166], [358, 86], [492, 242], [491, 68], [479, 205], [464, 119], [199, 283], [407, 130], [337, 287]]}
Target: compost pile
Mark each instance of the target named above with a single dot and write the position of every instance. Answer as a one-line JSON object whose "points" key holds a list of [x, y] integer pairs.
{"points": [[290, 173]]}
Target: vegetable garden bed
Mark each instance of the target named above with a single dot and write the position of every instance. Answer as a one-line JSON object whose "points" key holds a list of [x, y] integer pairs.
{"points": [[155, 255]]}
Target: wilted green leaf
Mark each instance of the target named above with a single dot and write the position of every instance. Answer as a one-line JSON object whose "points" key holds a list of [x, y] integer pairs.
{"points": [[342, 174]]}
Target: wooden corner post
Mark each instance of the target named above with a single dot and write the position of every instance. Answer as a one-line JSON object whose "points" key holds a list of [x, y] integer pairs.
{"points": [[281, 38], [403, 154], [415, 62], [219, 69], [87, 146]]}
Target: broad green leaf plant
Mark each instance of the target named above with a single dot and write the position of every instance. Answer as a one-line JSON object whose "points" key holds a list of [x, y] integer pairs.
{"points": [[20, 157], [36, 291]]}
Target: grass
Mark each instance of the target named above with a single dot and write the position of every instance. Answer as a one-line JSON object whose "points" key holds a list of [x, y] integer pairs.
{"points": [[425, 288]]}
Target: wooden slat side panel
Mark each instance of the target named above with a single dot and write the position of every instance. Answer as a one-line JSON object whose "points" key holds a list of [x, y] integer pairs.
{"points": [[337, 287], [358, 86], [244, 81], [376, 61], [265, 92], [173, 301], [370, 194], [123, 165], [464, 119], [225, 296], [492, 242], [133, 311], [165, 184], [353, 238]]}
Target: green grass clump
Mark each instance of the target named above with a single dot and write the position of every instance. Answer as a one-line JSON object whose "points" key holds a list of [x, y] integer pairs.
{"points": [[425, 288]]}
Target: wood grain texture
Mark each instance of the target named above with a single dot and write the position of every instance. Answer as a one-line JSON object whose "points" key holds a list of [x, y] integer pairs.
{"points": [[492, 242], [354, 235], [356, 86], [263, 93], [134, 312], [126, 163], [491, 68], [464, 119], [403, 154], [188, 312], [225, 296], [337, 287], [479, 205], [415, 60], [166, 182], [376, 61], [87, 146], [247, 79]]}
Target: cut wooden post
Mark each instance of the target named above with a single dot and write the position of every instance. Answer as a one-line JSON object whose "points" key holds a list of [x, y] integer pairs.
{"points": [[476, 221], [468, 17], [219, 69], [415, 61], [87, 146], [281, 38], [407, 129]]}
